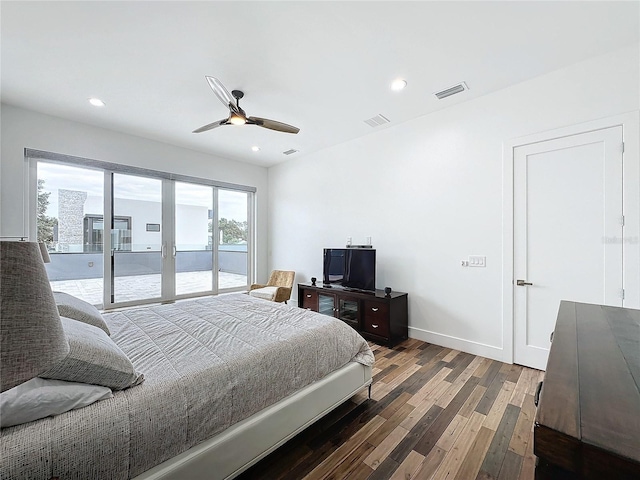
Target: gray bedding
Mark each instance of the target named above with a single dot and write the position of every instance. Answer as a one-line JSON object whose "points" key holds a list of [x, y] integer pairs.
{"points": [[208, 364]]}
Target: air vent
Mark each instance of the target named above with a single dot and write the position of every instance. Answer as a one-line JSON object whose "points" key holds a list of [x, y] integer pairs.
{"points": [[290, 151], [447, 92], [377, 120]]}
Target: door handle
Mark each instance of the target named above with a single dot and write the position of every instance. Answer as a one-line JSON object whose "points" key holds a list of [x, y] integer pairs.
{"points": [[522, 283]]}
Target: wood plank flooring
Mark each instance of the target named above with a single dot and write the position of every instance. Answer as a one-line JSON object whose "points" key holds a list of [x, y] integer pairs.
{"points": [[435, 413]]}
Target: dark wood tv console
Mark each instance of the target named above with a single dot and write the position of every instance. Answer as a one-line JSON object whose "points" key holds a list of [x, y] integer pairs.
{"points": [[376, 316], [588, 420]]}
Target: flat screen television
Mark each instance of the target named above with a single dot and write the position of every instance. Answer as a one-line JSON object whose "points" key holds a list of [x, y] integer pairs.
{"points": [[350, 268]]}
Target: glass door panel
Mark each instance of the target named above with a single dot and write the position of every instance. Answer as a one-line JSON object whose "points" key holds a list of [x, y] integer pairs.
{"points": [[193, 238], [70, 223], [233, 228], [136, 238], [348, 311], [326, 304]]}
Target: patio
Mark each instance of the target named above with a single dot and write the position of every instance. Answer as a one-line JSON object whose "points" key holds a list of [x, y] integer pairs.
{"points": [[137, 287]]}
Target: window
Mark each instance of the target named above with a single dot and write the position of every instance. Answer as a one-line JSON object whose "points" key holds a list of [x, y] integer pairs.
{"points": [[120, 236], [94, 230]]}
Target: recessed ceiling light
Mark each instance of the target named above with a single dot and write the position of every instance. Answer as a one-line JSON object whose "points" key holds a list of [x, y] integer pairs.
{"points": [[255, 148], [96, 102], [398, 84]]}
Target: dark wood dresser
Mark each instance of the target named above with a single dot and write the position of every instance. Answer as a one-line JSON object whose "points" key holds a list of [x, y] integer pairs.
{"points": [[588, 420]]}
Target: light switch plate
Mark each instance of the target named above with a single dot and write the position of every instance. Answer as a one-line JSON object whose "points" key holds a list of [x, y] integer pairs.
{"points": [[477, 261]]}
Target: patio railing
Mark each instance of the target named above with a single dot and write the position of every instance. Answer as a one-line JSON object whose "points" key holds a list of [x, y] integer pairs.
{"points": [[73, 266]]}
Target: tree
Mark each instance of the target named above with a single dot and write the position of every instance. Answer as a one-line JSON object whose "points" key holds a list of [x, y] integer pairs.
{"points": [[233, 231], [45, 224]]}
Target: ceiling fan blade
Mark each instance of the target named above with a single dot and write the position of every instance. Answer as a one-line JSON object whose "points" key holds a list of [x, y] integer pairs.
{"points": [[222, 93], [211, 126], [272, 125]]}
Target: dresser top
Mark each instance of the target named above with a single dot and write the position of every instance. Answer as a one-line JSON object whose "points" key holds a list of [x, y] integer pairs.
{"points": [[591, 389]]}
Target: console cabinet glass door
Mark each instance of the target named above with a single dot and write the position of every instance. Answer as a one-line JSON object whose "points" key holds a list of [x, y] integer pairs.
{"points": [[348, 311], [327, 304]]}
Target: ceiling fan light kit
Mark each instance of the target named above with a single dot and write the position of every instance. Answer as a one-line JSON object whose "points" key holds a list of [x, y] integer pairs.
{"points": [[237, 115], [236, 119]]}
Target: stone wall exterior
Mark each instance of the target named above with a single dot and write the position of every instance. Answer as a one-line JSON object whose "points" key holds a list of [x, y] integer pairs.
{"points": [[71, 220]]}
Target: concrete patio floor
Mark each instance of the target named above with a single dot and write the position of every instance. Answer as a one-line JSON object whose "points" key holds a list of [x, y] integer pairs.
{"points": [[138, 287]]}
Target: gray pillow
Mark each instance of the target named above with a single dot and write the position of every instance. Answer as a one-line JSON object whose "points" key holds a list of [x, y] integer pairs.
{"points": [[72, 307], [31, 334], [93, 358]]}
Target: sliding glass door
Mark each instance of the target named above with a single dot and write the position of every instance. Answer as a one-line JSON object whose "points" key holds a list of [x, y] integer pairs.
{"points": [[136, 239], [70, 222], [120, 238], [194, 245], [233, 239]]}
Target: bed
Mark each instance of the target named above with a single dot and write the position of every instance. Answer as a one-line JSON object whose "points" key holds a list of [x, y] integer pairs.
{"points": [[227, 380]]}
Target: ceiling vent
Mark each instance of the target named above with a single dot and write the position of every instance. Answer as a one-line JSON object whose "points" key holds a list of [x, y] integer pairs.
{"points": [[377, 121], [290, 151], [447, 92]]}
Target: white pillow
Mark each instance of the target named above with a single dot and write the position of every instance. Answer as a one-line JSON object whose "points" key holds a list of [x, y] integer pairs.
{"points": [[39, 398]]}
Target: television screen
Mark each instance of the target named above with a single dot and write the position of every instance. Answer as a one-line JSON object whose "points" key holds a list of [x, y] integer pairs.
{"points": [[350, 267]]}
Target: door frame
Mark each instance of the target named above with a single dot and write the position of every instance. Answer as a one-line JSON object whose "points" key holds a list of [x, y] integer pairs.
{"points": [[630, 123]]}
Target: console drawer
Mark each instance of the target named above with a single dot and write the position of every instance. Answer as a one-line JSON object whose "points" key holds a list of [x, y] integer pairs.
{"points": [[310, 300], [376, 318]]}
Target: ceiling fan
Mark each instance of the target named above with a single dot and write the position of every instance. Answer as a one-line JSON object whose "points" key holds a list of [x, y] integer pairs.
{"points": [[237, 116]]}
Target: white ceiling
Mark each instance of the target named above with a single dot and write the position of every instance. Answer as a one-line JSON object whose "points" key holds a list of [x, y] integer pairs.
{"points": [[322, 66]]}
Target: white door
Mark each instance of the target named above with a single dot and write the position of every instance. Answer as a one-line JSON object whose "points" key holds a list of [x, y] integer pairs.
{"points": [[567, 233]]}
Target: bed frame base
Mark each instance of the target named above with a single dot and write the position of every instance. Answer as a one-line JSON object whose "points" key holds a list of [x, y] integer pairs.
{"points": [[233, 451]]}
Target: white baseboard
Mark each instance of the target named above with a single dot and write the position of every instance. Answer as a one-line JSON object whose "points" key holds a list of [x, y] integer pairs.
{"points": [[456, 343]]}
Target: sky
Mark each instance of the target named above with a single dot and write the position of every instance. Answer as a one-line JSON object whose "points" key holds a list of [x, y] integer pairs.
{"points": [[57, 176]]}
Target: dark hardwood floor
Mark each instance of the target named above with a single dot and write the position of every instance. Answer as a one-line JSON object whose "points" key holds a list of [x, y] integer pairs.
{"points": [[435, 413]]}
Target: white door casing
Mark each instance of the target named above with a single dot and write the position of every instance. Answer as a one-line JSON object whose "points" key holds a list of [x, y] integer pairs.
{"points": [[567, 232]]}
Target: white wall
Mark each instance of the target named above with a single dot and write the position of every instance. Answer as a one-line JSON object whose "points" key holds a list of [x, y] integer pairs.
{"points": [[429, 193], [22, 129]]}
